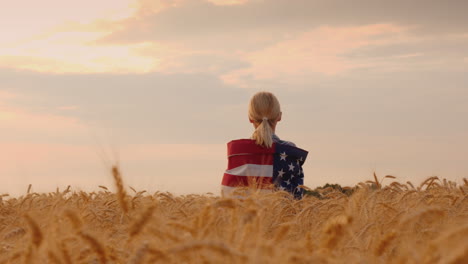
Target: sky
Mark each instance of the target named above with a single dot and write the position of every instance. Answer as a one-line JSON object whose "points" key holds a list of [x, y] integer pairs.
{"points": [[160, 86]]}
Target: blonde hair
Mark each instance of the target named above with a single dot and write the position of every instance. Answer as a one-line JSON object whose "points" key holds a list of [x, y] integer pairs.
{"points": [[264, 110]]}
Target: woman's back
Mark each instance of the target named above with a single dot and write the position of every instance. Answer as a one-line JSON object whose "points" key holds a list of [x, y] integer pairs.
{"points": [[265, 161], [253, 166]]}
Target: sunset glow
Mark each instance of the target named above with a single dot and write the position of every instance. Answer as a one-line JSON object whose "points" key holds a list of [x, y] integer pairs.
{"points": [[161, 86]]}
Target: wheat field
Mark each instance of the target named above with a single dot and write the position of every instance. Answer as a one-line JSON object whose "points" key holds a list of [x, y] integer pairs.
{"points": [[377, 223]]}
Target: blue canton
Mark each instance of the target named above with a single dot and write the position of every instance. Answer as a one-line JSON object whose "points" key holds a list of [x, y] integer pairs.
{"points": [[287, 169]]}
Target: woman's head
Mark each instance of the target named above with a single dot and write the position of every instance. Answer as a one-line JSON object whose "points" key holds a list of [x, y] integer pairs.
{"points": [[264, 113]]}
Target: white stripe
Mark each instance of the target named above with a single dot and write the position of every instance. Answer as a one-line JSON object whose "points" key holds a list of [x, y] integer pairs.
{"points": [[252, 170]]}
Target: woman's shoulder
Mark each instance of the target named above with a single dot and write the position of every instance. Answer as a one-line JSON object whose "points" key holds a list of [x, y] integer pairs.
{"points": [[241, 141], [242, 146], [277, 140], [289, 143]]}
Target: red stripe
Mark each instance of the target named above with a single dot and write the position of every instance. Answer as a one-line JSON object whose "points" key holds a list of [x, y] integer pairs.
{"points": [[245, 151], [247, 181], [242, 146], [236, 161]]}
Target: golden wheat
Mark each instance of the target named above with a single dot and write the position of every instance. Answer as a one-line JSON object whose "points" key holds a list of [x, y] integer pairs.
{"points": [[394, 223]]}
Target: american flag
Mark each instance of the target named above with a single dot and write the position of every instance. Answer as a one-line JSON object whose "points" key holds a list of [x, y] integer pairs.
{"points": [[278, 167]]}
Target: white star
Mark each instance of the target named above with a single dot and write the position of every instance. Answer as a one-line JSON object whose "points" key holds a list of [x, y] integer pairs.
{"points": [[292, 176], [288, 182], [301, 159], [282, 188], [291, 167], [298, 162], [281, 173], [299, 173], [283, 156]]}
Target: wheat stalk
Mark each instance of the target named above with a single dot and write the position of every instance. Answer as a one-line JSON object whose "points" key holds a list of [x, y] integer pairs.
{"points": [[96, 246], [121, 193], [36, 234], [138, 225]]}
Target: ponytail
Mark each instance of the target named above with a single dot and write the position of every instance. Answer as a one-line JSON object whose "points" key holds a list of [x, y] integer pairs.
{"points": [[263, 135], [264, 111]]}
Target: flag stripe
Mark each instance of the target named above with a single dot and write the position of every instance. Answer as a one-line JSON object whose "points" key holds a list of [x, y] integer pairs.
{"points": [[252, 170], [251, 165], [239, 160], [248, 146]]}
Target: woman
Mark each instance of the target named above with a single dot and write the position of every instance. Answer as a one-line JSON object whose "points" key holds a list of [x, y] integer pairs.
{"points": [[264, 162]]}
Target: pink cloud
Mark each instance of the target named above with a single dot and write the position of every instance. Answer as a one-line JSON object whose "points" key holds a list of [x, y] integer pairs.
{"points": [[150, 7], [320, 50], [228, 2], [19, 125]]}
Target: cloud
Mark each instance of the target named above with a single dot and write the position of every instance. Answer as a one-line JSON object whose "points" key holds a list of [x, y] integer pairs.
{"points": [[199, 36], [71, 47], [149, 108], [197, 109], [32, 19], [69, 52], [247, 43], [321, 50], [179, 59], [17, 125], [331, 52], [228, 2], [198, 22], [60, 42]]}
